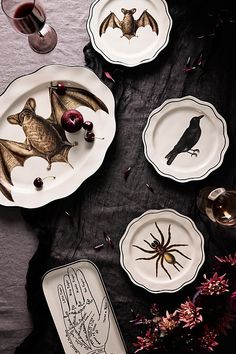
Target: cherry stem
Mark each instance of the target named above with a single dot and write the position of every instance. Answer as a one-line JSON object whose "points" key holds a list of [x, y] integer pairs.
{"points": [[48, 177]]}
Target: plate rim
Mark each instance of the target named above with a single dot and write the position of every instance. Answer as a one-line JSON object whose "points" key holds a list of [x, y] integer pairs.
{"points": [[199, 102], [123, 63], [179, 215], [16, 81]]}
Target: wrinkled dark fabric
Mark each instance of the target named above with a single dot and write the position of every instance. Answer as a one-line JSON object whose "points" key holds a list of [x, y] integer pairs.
{"points": [[105, 202]]}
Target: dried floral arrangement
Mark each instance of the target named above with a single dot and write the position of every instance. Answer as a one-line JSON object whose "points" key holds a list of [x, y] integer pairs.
{"points": [[197, 325]]}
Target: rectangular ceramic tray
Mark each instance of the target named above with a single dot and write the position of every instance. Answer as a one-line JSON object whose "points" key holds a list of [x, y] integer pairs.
{"points": [[81, 310]]}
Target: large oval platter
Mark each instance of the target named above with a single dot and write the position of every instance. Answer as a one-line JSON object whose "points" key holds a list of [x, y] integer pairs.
{"points": [[130, 32], [185, 139], [162, 251], [30, 145]]}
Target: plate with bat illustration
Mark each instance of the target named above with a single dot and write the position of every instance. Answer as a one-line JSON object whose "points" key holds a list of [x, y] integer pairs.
{"points": [[129, 33], [185, 139], [81, 309], [39, 160], [162, 251]]}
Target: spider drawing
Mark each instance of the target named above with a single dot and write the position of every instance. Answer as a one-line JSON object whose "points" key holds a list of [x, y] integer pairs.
{"points": [[163, 251]]}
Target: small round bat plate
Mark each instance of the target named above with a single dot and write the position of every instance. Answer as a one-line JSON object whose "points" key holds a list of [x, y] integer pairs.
{"points": [[130, 33], [162, 251]]}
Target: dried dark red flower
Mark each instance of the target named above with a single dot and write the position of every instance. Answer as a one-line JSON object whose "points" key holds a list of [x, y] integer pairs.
{"points": [[197, 325]]}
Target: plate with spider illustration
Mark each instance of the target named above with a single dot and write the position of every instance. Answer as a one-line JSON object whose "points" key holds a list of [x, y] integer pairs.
{"points": [[131, 32], [162, 251], [177, 135], [56, 125]]}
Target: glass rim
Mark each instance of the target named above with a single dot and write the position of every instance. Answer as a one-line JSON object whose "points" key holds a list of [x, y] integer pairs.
{"points": [[17, 18]]}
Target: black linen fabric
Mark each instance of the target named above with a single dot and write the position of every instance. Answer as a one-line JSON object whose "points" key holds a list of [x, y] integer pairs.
{"points": [[68, 229]]}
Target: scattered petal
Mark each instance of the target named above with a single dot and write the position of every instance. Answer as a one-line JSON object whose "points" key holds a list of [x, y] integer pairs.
{"points": [[98, 247], [108, 75], [149, 187], [108, 239], [127, 173]]}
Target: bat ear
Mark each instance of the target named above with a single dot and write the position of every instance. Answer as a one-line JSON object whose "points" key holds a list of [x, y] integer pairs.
{"points": [[123, 10], [133, 11], [13, 119], [30, 104]]}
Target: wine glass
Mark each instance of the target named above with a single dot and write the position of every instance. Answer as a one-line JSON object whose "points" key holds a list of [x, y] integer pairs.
{"points": [[28, 17], [219, 205]]}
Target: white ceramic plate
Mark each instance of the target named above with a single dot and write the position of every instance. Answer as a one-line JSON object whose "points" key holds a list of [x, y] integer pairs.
{"points": [[81, 309], [83, 159], [198, 153], [182, 260], [145, 43]]}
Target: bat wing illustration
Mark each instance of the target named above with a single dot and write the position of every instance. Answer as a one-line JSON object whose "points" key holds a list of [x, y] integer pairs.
{"points": [[73, 97], [12, 154], [110, 21], [146, 19], [45, 138]]}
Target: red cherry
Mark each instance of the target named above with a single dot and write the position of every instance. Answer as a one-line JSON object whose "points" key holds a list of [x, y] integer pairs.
{"points": [[38, 182], [61, 89], [88, 125], [72, 120], [89, 137]]}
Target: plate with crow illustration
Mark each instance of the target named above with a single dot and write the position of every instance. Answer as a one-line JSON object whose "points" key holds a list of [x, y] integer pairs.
{"points": [[162, 251], [131, 32], [56, 125], [185, 139]]}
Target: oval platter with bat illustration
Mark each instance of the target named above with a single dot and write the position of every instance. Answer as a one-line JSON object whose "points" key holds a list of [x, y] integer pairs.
{"points": [[39, 160], [131, 32], [185, 139], [162, 250]]}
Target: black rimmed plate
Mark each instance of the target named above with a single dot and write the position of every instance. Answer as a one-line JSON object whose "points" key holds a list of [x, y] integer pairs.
{"points": [[162, 251], [27, 142], [129, 33], [185, 139]]}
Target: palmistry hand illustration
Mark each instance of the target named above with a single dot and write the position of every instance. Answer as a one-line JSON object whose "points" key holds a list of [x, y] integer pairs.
{"points": [[87, 326]]}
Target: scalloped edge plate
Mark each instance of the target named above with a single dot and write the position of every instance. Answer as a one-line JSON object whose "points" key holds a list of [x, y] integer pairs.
{"points": [[85, 158], [117, 49], [165, 126], [174, 273]]}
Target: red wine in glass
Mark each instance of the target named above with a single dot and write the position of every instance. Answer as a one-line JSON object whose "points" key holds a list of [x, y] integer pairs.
{"points": [[28, 17]]}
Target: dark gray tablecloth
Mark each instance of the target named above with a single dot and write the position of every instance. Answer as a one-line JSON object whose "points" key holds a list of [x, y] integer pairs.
{"points": [[107, 203]]}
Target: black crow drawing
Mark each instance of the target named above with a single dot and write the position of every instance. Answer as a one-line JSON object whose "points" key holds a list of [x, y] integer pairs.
{"points": [[189, 138]]}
